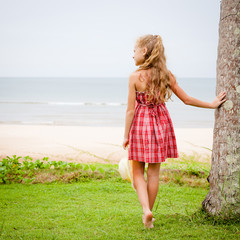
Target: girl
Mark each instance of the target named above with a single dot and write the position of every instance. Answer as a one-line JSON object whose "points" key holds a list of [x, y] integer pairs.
{"points": [[148, 126]]}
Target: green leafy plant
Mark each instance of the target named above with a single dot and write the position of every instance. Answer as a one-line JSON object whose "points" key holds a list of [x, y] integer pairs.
{"points": [[25, 170], [187, 170]]}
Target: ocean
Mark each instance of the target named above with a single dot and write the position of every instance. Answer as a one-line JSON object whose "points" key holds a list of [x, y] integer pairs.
{"points": [[92, 102]]}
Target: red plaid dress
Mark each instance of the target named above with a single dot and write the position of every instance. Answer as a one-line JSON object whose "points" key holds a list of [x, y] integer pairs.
{"points": [[152, 138]]}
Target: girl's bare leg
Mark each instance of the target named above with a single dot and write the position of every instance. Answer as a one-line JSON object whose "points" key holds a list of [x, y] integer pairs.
{"points": [[142, 192], [152, 182]]}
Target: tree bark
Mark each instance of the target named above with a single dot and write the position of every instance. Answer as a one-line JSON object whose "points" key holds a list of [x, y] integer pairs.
{"points": [[224, 177]]}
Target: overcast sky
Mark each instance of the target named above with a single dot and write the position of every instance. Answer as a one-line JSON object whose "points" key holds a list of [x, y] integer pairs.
{"points": [[95, 38]]}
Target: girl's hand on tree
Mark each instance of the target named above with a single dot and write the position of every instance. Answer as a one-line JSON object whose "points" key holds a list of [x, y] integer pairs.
{"points": [[125, 142], [219, 100]]}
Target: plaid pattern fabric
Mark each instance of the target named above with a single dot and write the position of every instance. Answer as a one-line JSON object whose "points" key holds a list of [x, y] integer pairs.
{"points": [[152, 138]]}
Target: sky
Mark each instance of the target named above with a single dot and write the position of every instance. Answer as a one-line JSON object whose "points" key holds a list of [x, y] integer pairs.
{"points": [[95, 38]]}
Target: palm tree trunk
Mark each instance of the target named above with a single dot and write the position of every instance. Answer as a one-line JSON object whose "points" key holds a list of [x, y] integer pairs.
{"points": [[224, 177]]}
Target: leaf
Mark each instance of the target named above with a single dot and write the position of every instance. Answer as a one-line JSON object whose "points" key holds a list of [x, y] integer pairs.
{"points": [[86, 167], [93, 168], [47, 166], [101, 170], [79, 166], [45, 158], [27, 158], [3, 168]]}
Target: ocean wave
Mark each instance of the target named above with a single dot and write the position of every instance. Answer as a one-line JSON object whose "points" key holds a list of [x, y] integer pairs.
{"points": [[21, 102], [37, 122], [29, 122], [116, 104]]}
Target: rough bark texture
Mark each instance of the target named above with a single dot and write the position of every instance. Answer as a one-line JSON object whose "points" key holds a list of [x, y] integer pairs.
{"points": [[224, 177]]}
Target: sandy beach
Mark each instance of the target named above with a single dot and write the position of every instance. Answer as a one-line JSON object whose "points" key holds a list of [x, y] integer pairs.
{"points": [[86, 144]]}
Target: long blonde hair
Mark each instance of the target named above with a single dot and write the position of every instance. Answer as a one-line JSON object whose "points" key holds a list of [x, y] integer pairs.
{"points": [[159, 88]]}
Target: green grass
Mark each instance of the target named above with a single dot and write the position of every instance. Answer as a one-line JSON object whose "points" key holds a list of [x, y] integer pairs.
{"points": [[91, 201], [105, 209]]}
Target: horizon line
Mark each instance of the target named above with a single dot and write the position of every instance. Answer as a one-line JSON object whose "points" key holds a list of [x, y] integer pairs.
{"points": [[87, 77]]}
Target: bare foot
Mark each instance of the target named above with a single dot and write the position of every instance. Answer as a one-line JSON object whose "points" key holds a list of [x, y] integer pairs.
{"points": [[153, 219], [148, 219]]}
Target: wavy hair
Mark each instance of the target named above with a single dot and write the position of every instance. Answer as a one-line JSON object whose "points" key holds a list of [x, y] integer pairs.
{"points": [[158, 88]]}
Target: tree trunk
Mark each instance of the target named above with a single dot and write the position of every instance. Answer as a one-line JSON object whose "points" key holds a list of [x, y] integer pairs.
{"points": [[224, 177]]}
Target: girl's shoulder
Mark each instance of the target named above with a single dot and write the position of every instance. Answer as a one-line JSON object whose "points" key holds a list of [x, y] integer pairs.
{"points": [[144, 75], [141, 74], [134, 76]]}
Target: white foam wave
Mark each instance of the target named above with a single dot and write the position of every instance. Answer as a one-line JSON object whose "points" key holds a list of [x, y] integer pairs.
{"points": [[116, 104], [66, 103]]}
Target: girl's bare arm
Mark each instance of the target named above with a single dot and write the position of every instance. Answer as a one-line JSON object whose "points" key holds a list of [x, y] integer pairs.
{"points": [[188, 100], [130, 107]]}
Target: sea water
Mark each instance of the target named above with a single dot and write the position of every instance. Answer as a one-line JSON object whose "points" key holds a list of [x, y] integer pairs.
{"points": [[92, 102]]}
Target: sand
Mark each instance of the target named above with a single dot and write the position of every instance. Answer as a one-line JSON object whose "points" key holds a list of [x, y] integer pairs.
{"points": [[86, 144]]}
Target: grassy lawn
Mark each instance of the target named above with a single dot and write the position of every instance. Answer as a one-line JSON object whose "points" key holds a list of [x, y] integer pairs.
{"points": [[105, 209]]}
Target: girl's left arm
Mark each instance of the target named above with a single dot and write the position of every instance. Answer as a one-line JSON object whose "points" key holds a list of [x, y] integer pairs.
{"points": [[130, 108], [188, 100]]}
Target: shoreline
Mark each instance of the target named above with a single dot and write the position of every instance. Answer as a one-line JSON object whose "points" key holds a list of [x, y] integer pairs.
{"points": [[86, 144]]}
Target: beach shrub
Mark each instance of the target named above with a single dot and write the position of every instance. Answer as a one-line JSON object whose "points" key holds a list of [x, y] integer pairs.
{"points": [[25, 170], [186, 170]]}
